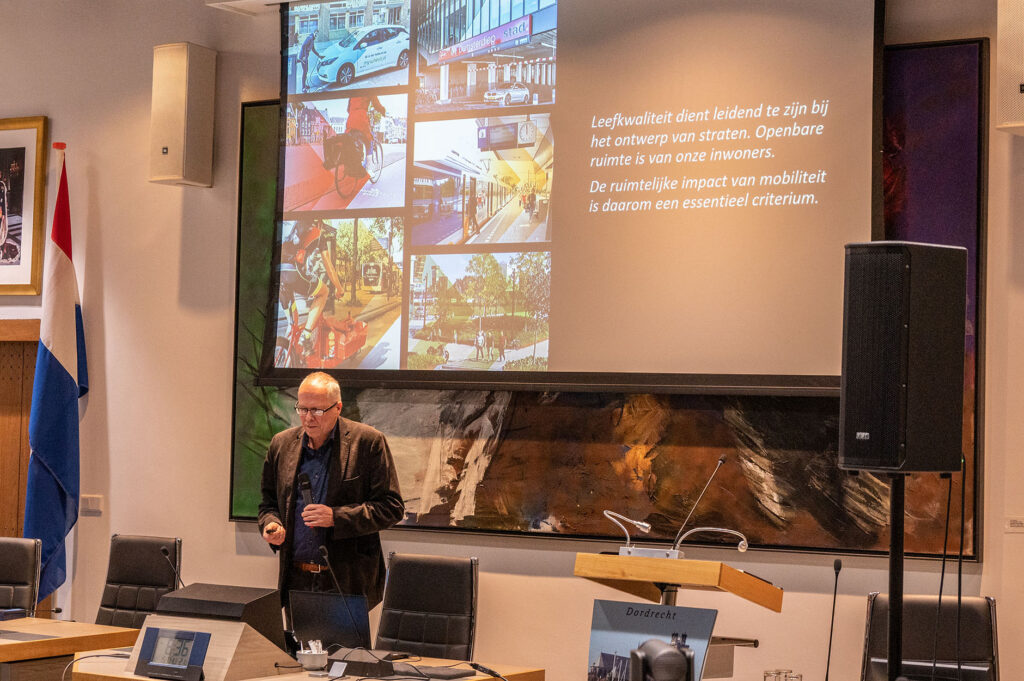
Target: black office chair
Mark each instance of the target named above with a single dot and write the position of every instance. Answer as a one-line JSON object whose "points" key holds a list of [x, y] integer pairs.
{"points": [[19, 573], [978, 649], [429, 606], [138, 574]]}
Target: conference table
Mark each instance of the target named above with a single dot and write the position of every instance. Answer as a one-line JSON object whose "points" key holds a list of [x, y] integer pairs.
{"points": [[115, 669], [33, 649]]}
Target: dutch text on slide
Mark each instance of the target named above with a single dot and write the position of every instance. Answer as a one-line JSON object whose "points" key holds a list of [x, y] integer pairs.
{"points": [[728, 156]]}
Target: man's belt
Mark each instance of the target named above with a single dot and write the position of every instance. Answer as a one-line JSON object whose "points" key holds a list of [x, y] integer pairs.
{"points": [[310, 567]]}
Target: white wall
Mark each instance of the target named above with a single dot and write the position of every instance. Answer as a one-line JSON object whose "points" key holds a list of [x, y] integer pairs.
{"points": [[156, 266]]}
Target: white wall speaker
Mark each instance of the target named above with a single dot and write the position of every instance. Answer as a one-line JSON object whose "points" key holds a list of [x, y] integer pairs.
{"points": [[1010, 67], [181, 122]]}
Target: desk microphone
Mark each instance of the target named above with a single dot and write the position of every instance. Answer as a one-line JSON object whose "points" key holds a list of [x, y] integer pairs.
{"points": [[334, 577], [167, 556], [305, 489], [323, 553], [679, 534], [838, 565], [485, 670]]}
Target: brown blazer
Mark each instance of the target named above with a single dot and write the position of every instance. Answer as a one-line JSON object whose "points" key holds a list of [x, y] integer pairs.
{"points": [[362, 487]]}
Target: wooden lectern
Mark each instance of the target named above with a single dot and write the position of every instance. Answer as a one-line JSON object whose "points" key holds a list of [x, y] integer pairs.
{"points": [[658, 579]]}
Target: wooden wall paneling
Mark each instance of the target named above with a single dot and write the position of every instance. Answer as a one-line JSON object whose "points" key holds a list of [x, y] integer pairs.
{"points": [[19, 330], [11, 408], [29, 374], [17, 372]]}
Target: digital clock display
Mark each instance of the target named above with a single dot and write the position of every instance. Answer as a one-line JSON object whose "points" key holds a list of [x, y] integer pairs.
{"points": [[172, 649], [172, 654]]}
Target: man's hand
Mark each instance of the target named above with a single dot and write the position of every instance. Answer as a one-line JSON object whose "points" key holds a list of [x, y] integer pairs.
{"points": [[274, 533], [318, 515]]}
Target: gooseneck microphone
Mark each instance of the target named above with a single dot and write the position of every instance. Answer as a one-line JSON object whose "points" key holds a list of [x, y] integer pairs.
{"points": [[679, 534], [167, 556], [334, 577], [305, 489], [741, 547], [323, 553], [639, 524], [838, 565]]}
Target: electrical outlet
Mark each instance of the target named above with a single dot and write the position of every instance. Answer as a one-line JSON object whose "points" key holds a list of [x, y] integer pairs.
{"points": [[1015, 523], [91, 504]]}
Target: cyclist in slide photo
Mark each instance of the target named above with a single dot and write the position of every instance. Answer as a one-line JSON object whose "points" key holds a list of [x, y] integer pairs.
{"points": [[358, 124]]}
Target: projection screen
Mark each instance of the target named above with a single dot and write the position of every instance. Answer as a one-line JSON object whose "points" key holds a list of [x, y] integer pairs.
{"points": [[713, 156]]}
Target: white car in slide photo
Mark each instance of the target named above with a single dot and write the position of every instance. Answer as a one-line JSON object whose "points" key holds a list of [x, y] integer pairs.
{"points": [[364, 51], [514, 93]]}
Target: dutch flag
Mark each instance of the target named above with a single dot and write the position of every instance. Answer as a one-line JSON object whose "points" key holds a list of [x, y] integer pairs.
{"points": [[51, 500]]}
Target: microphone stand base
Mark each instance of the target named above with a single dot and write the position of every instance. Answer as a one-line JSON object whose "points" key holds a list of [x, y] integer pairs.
{"points": [[649, 552]]}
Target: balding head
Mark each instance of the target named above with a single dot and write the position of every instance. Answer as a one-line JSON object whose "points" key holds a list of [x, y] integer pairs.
{"points": [[319, 391], [325, 382]]}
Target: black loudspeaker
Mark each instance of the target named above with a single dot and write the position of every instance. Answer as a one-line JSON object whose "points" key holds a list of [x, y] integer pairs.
{"points": [[259, 608], [902, 400]]}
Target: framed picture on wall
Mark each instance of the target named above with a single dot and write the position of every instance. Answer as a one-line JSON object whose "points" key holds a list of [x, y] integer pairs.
{"points": [[935, 185], [22, 189]]}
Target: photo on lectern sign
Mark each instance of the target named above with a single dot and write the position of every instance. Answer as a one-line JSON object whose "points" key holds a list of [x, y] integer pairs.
{"points": [[617, 628]]}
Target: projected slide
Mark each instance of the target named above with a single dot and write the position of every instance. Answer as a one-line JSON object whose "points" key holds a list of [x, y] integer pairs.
{"points": [[714, 157]]}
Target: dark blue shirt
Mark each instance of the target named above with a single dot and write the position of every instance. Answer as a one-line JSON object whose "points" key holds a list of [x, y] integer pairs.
{"points": [[314, 463]]}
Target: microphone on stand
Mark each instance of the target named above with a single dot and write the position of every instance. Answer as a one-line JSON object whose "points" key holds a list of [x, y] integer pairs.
{"points": [[52, 610], [167, 556], [838, 565], [323, 552], [334, 577], [679, 534]]}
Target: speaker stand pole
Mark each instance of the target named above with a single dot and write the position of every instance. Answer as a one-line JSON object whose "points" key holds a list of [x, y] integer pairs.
{"points": [[896, 522]]}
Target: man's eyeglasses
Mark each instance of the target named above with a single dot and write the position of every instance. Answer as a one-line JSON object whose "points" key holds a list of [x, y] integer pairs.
{"points": [[302, 411]]}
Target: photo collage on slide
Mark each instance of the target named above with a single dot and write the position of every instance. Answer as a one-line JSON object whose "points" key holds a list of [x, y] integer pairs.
{"points": [[416, 185]]}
